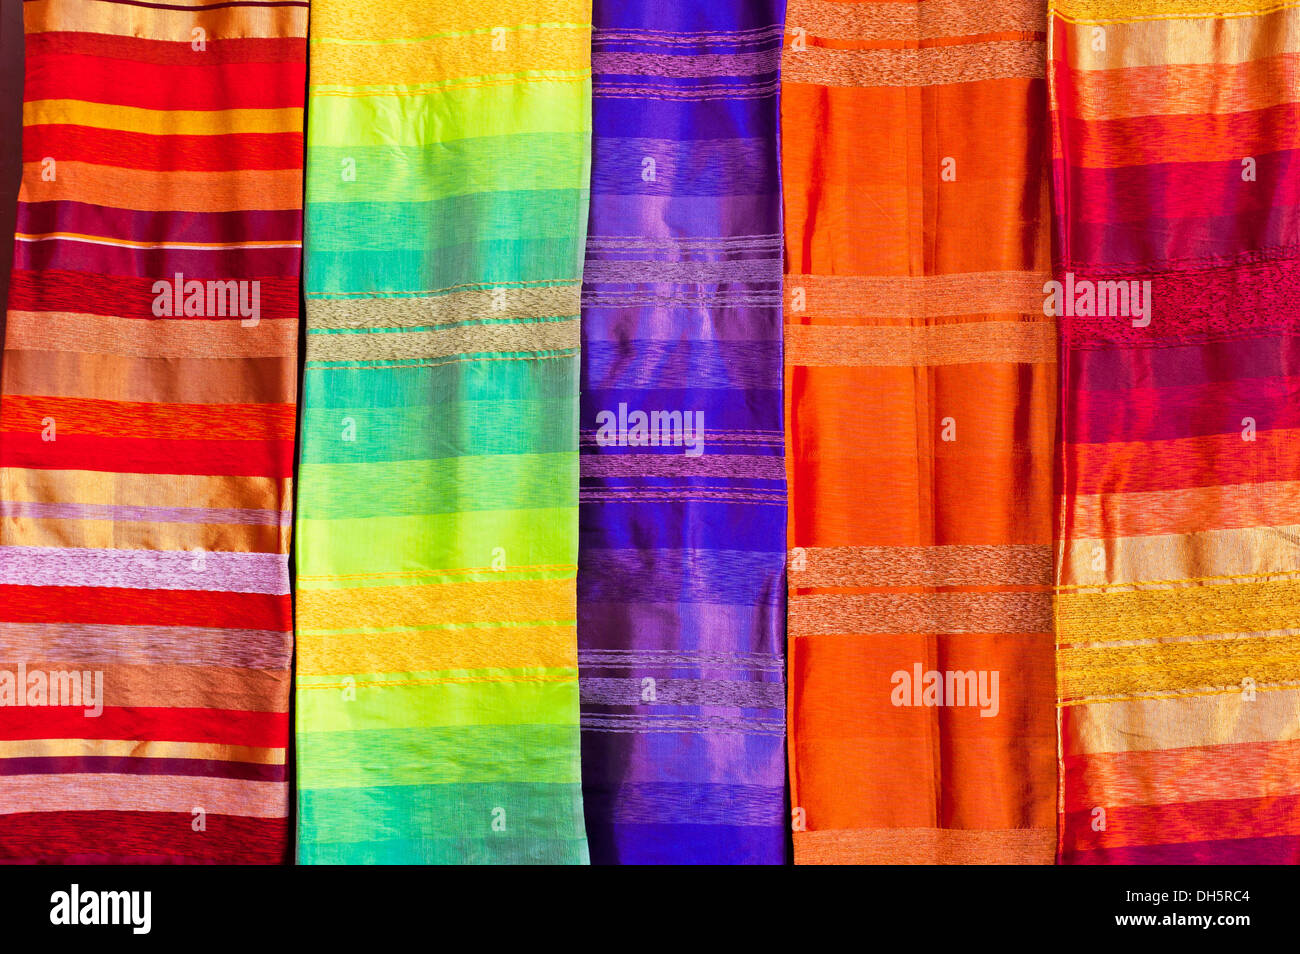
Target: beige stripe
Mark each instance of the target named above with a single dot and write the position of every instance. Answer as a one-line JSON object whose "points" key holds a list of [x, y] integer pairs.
{"points": [[111, 377], [1212, 556], [1009, 565], [976, 342], [154, 490], [150, 337], [926, 846], [920, 613], [1098, 11], [48, 748], [930, 66], [143, 793], [1151, 725], [474, 305], [445, 342], [1203, 41], [903, 297], [139, 535], [932, 19], [48, 16]]}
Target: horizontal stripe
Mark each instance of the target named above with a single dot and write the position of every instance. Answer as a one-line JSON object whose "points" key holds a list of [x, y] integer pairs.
{"points": [[155, 338], [95, 765], [114, 606], [479, 304], [1183, 510], [629, 691], [213, 422], [41, 16], [164, 190], [145, 569], [139, 750], [903, 297], [171, 724], [925, 846], [1245, 606], [160, 490], [991, 565], [1150, 725], [928, 66], [922, 346], [931, 19], [110, 377], [160, 122], [1210, 556], [1101, 11], [520, 601], [1200, 40], [98, 645], [826, 615], [110, 534], [470, 339], [733, 466], [1244, 770], [262, 458], [396, 650], [86, 792]]}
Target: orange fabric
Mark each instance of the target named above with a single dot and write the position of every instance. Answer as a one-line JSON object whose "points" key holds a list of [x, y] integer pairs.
{"points": [[920, 400]]}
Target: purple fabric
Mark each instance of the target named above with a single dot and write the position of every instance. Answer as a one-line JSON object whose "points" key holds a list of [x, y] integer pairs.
{"points": [[681, 592]]}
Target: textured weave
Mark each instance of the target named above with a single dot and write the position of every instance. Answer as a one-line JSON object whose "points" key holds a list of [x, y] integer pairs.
{"points": [[1176, 176], [437, 680], [681, 599], [920, 405], [146, 435]]}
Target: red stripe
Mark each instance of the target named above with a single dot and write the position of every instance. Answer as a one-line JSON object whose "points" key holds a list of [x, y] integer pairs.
{"points": [[100, 79], [171, 153], [130, 607], [142, 837], [148, 420], [287, 49], [137, 455], [117, 296], [147, 724]]}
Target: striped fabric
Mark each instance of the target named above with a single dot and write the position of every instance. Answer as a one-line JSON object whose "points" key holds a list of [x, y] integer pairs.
{"points": [[437, 680], [146, 435], [1178, 181], [920, 406], [681, 599]]}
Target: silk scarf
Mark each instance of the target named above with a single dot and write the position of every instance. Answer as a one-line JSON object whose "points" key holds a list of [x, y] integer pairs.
{"points": [[437, 681], [146, 435], [681, 566], [1177, 193], [920, 405]]}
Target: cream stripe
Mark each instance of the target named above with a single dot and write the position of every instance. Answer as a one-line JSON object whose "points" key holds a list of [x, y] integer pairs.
{"points": [[1009, 565], [929, 66], [476, 304], [1212, 556], [916, 296], [151, 793], [445, 342], [150, 338]]}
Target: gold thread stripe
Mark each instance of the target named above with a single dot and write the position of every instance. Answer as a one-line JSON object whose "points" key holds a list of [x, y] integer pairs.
{"points": [[929, 66], [160, 490], [1200, 41], [140, 749], [177, 26], [997, 342], [1218, 556], [506, 303], [993, 565], [920, 613], [445, 342], [1131, 11], [1155, 667], [150, 338], [1083, 617], [925, 846], [929, 20], [916, 296]]}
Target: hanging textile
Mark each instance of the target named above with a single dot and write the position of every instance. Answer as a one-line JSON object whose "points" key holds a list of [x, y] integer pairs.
{"points": [[680, 582], [437, 681], [1177, 197], [146, 435], [920, 407]]}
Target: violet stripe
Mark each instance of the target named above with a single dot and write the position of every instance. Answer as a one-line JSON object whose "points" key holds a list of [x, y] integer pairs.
{"points": [[683, 65], [630, 691]]}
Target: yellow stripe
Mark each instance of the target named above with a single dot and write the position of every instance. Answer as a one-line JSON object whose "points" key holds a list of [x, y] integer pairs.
{"points": [[1130, 11], [510, 601], [162, 122], [1173, 613]]}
